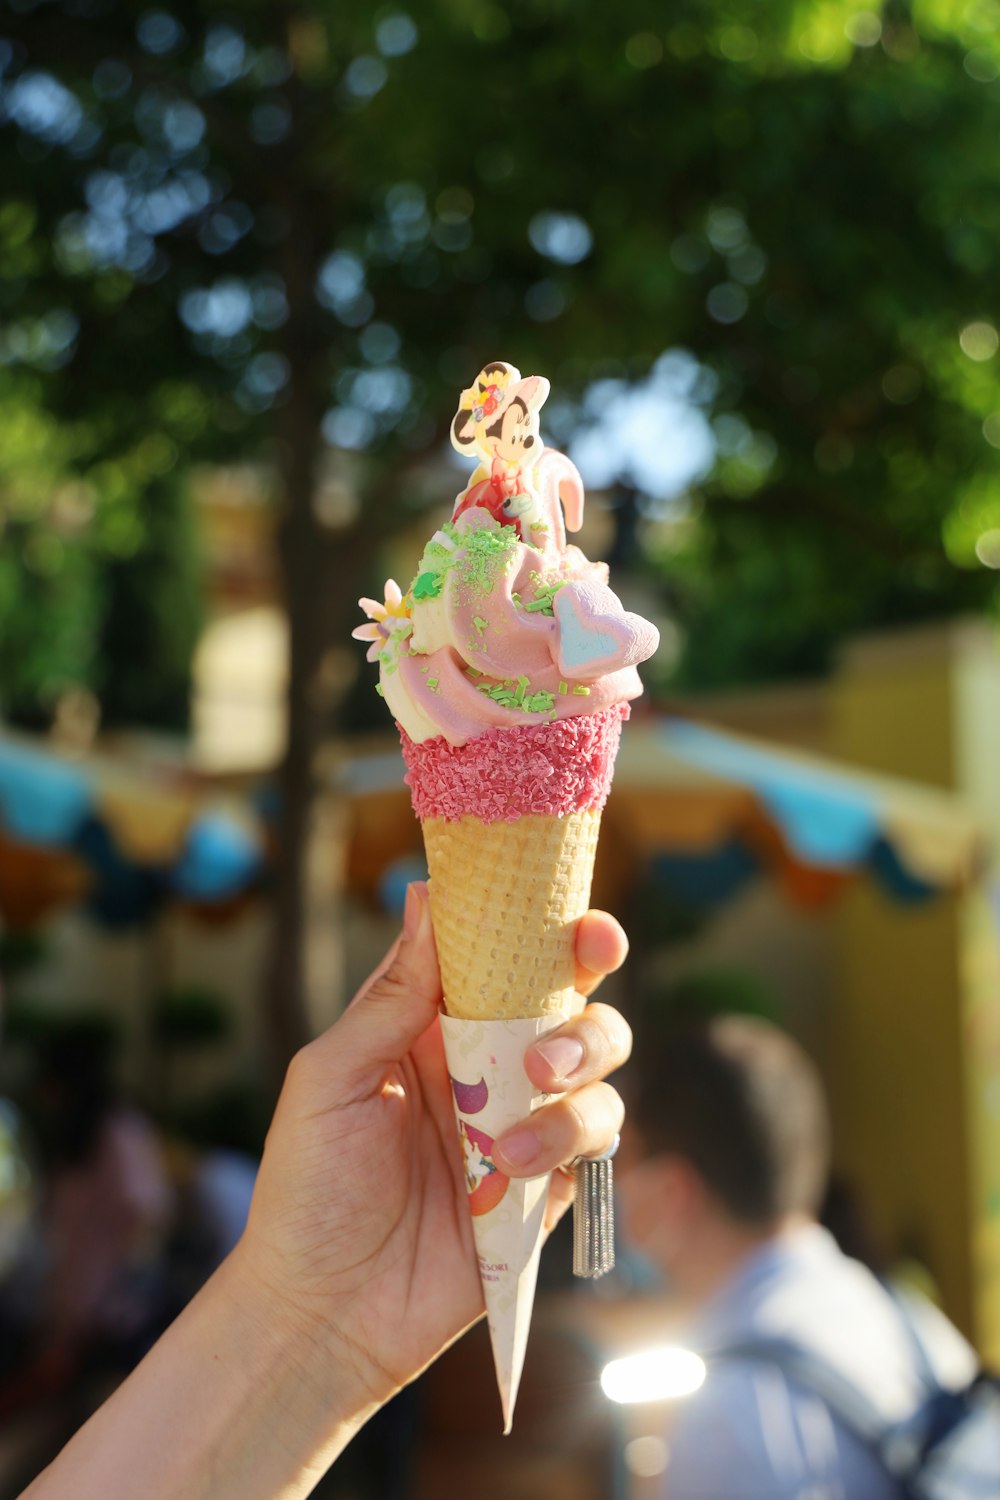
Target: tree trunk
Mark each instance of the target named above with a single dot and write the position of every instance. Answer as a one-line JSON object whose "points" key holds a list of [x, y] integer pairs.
{"points": [[302, 556], [302, 551]]}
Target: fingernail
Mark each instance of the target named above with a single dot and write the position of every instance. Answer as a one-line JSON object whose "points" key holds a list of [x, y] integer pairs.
{"points": [[412, 912], [520, 1147], [562, 1053]]}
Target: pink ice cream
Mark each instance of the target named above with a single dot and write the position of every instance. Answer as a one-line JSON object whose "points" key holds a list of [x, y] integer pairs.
{"points": [[509, 663], [488, 636]]}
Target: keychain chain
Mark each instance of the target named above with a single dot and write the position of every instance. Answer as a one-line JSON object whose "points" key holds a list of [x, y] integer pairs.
{"points": [[594, 1214]]}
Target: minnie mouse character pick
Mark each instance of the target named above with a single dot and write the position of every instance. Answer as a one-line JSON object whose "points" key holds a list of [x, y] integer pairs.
{"points": [[519, 481]]}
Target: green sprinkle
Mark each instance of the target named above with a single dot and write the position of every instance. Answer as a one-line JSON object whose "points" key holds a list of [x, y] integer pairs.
{"points": [[562, 687], [540, 702], [581, 691], [427, 586], [483, 555], [499, 694], [432, 569], [432, 683], [544, 595], [480, 623], [380, 689]]}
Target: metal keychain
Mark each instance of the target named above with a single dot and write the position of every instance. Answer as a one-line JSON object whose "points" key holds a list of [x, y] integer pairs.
{"points": [[594, 1214]]}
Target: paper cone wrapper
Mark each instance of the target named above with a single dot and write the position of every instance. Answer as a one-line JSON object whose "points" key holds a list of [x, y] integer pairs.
{"points": [[505, 901], [492, 1092]]}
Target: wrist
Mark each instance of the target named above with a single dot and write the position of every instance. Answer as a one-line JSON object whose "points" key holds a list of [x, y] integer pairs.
{"points": [[295, 1396], [312, 1344]]}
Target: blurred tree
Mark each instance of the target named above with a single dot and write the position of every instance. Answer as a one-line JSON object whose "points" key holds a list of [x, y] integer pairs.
{"points": [[47, 586], [292, 231], [152, 613]]}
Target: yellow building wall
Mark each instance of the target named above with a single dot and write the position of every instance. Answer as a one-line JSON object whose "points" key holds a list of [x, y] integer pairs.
{"points": [[917, 1024], [980, 968], [892, 706], [976, 699], [897, 1083]]}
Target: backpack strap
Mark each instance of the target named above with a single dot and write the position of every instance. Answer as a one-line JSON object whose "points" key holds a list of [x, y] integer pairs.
{"points": [[814, 1374], [903, 1448], [900, 1448], [907, 1313]]}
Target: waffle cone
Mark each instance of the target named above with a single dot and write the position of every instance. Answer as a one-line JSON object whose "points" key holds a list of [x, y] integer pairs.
{"points": [[505, 900]]}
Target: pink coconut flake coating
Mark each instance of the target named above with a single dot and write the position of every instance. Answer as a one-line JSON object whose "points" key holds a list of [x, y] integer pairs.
{"points": [[552, 769]]}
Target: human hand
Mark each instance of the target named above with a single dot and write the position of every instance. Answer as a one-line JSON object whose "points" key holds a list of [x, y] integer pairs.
{"points": [[359, 1230]]}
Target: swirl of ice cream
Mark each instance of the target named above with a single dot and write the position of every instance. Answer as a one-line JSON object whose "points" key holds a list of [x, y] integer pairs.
{"points": [[492, 634]]}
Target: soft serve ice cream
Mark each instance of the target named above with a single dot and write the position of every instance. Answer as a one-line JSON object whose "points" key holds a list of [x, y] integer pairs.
{"points": [[504, 623]]}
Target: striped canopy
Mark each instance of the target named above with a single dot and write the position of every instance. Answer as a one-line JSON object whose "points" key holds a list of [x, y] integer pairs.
{"points": [[120, 835]]}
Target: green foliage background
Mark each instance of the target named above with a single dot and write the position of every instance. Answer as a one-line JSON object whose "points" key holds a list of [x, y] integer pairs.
{"points": [[255, 232]]}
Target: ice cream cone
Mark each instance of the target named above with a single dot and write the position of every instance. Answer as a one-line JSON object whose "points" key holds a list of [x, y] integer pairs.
{"points": [[505, 900], [509, 666], [506, 896]]}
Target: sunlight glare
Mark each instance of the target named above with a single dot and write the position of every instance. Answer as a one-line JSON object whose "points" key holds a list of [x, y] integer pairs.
{"points": [[661, 1374]]}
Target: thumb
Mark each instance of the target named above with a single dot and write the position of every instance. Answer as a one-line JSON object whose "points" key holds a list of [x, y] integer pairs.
{"points": [[394, 1008]]}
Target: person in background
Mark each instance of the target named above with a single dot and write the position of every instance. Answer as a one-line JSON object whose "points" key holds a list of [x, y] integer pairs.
{"points": [[358, 1264], [107, 1210], [736, 1136]]}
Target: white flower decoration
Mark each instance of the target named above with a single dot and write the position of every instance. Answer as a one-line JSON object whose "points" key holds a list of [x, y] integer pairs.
{"points": [[382, 617]]}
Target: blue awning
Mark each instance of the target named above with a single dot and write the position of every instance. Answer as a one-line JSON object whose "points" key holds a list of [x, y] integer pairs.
{"points": [[829, 818], [142, 838]]}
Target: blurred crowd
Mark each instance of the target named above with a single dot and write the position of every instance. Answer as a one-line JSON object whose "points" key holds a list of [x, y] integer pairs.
{"points": [[112, 1226]]}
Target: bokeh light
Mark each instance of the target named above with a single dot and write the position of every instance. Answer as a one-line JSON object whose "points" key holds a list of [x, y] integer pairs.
{"points": [[864, 28], [979, 340], [646, 1456], [666, 1373], [562, 237]]}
